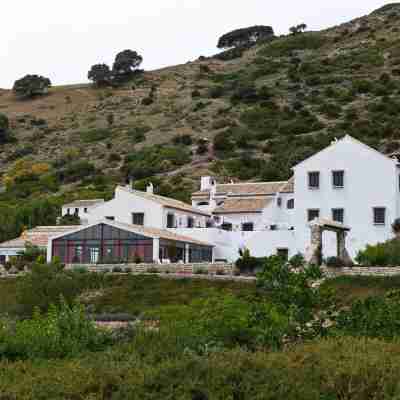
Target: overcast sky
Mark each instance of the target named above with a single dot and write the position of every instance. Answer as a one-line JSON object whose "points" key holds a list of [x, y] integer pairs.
{"points": [[62, 39]]}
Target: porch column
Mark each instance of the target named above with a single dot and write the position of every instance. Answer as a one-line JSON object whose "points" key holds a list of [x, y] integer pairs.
{"points": [[187, 250], [316, 245], [341, 247], [156, 250]]}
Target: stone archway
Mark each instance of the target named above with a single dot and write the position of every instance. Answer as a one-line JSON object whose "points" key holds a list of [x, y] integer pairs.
{"points": [[317, 227]]}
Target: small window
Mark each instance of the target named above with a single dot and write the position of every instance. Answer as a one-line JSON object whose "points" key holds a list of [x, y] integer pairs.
{"points": [[76, 210], [203, 203], [170, 221], [283, 253], [227, 226], [85, 210], [290, 204], [313, 214], [338, 215], [138, 219], [338, 179], [379, 215], [248, 227], [190, 222], [68, 211], [279, 202], [110, 218], [313, 180]]}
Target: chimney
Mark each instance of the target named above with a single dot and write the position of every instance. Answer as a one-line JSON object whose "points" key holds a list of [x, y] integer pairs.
{"points": [[150, 188]]}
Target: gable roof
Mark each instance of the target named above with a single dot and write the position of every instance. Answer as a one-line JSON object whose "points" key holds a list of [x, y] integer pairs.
{"points": [[345, 138], [249, 189], [140, 230], [84, 203], [166, 201], [240, 205], [38, 236]]}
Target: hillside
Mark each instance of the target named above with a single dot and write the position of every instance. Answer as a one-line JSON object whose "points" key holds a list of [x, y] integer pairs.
{"points": [[262, 113]]}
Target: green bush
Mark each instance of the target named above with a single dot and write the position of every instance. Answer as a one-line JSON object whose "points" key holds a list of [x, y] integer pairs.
{"points": [[382, 254], [95, 135], [63, 332], [138, 133]]}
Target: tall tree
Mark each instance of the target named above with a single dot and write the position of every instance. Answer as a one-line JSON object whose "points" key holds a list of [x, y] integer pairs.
{"points": [[100, 74], [245, 36], [295, 30], [126, 62], [31, 85]]}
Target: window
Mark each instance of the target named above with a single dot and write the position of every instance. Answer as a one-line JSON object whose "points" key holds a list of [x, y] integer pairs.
{"points": [[248, 227], [110, 218], [190, 222], [227, 226], [379, 215], [170, 221], [279, 202], [85, 210], [338, 215], [338, 179], [76, 210], [283, 253], [203, 203], [68, 211], [313, 180], [313, 214], [290, 204], [138, 219]]}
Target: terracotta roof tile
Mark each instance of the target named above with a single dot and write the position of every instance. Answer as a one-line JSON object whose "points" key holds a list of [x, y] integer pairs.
{"points": [[232, 205], [261, 188], [288, 187]]}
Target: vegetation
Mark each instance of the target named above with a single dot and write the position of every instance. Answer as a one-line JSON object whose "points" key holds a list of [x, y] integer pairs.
{"points": [[245, 37], [30, 86]]}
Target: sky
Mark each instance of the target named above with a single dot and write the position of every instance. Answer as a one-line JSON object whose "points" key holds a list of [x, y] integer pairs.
{"points": [[62, 39]]}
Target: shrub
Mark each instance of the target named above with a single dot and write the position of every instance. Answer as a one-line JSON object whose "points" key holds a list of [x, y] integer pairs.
{"points": [[185, 139], [196, 93], [334, 262], [95, 135], [64, 331], [147, 101], [248, 264], [31, 86], [297, 261], [382, 254], [138, 133]]}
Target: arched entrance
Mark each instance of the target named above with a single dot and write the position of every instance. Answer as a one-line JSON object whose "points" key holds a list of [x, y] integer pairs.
{"points": [[318, 226]]}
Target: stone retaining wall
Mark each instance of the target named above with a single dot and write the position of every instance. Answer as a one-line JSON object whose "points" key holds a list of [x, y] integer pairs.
{"points": [[206, 268], [360, 271]]}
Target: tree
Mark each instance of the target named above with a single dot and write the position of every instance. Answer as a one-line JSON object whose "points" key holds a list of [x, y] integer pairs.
{"points": [[126, 62], [295, 30], [31, 85], [4, 129], [245, 36], [100, 74]]}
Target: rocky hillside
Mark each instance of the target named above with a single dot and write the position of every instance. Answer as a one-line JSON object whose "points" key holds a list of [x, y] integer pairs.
{"points": [[249, 118]]}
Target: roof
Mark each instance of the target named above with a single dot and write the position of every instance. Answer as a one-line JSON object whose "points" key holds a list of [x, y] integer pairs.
{"points": [[350, 139], [329, 223], [38, 236], [141, 230], [167, 202], [84, 203], [288, 187], [234, 205], [261, 188]]}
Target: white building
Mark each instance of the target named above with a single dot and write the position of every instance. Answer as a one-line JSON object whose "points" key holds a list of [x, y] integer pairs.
{"points": [[348, 184]]}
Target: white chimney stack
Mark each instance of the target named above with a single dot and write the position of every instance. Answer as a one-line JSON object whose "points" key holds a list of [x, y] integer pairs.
{"points": [[150, 188]]}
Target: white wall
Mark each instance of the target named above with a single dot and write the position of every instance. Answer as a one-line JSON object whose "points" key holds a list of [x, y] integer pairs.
{"points": [[370, 181], [122, 207]]}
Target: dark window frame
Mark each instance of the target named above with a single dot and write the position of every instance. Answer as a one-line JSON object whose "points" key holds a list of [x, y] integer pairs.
{"points": [[290, 204], [334, 210], [110, 218], [171, 221], [141, 219], [314, 185], [248, 225], [378, 221], [334, 176], [310, 210]]}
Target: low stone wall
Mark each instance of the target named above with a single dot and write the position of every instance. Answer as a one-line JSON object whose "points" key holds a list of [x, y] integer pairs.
{"points": [[360, 271], [205, 268]]}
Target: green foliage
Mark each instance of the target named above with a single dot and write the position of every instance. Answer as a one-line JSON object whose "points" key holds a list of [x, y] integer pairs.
{"points": [[70, 219], [5, 134], [100, 74], [286, 45], [64, 331], [125, 64], [185, 140], [290, 289], [375, 317], [152, 160], [382, 254], [245, 36], [248, 264], [76, 171], [95, 135], [138, 133], [31, 86]]}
